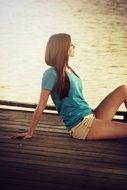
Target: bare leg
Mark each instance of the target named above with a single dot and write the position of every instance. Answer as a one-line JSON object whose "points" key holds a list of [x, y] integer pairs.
{"points": [[108, 107], [101, 129]]}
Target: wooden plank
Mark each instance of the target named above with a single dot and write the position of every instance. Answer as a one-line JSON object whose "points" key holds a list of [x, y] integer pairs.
{"points": [[53, 160], [61, 178], [48, 107], [61, 155], [53, 177], [23, 104]]}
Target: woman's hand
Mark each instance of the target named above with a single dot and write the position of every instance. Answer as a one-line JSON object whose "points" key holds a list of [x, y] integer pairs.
{"points": [[21, 135], [44, 95]]}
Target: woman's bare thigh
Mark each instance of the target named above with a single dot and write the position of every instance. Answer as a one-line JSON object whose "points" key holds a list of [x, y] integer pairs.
{"points": [[102, 129], [108, 107]]}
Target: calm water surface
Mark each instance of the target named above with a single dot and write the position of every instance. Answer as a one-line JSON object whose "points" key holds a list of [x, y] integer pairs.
{"points": [[98, 29]]}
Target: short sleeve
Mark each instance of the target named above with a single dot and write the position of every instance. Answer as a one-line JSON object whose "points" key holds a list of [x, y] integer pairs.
{"points": [[49, 79]]}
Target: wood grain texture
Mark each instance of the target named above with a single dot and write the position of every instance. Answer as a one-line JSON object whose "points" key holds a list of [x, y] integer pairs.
{"points": [[52, 160]]}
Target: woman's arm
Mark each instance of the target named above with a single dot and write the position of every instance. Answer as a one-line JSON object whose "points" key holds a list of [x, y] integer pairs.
{"points": [[44, 95]]}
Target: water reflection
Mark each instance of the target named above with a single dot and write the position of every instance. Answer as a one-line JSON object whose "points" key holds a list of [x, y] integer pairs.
{"points": [[98, 28]]}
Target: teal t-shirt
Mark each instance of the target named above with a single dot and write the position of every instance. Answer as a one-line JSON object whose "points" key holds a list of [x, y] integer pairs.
{"points": [[72, 108]]}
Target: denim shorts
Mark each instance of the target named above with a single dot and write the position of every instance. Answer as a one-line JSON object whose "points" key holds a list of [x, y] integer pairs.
{"points": [[80, 131]]}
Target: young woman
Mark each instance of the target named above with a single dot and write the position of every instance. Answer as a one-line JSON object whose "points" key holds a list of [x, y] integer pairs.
{"points": [[65, 87]]}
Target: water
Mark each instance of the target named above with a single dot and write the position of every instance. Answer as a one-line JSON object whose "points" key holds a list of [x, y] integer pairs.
{"points": [[98, 29]]}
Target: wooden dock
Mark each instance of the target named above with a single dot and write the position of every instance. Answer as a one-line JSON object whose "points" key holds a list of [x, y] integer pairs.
{"points": [[52, 160]]}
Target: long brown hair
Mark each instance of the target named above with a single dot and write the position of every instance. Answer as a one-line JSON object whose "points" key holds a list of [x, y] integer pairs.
{"points": [[56, 55]]}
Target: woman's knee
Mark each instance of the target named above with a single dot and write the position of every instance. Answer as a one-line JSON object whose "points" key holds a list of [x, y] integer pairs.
{"points": [[123, 91]]}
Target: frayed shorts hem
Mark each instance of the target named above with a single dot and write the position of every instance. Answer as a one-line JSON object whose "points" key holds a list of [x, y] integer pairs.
{"points": [[81, 130]]}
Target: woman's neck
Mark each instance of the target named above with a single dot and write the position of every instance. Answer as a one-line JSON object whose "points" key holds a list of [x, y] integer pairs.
{"points": [[67, 69]]}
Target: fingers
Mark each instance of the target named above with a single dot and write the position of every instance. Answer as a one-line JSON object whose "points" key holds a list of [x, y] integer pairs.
{"points": [[21, 135], [27, 137], [18, 135]]}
